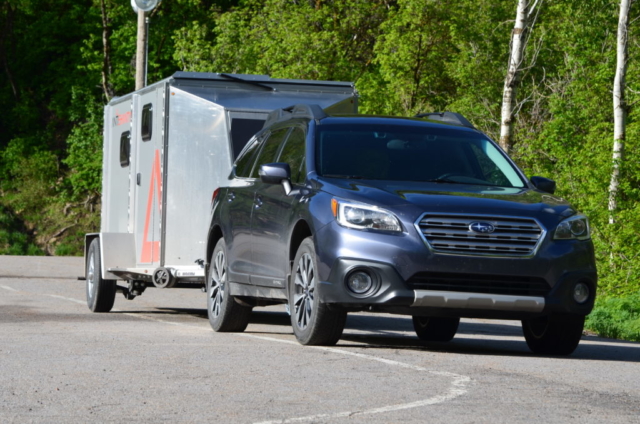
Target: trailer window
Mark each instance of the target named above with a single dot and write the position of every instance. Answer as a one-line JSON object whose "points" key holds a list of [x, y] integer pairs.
{"points": [[147, 122], [125, 148], [241, 132]]}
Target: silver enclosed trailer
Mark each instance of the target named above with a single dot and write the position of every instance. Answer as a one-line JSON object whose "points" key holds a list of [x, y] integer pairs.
{"points": [[167, 147]]}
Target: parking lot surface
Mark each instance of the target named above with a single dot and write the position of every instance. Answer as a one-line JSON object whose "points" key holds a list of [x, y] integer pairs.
{"points": [[156, 359]]}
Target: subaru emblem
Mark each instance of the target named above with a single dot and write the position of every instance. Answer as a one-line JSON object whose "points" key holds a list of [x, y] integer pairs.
{"points": [[482, 227]]}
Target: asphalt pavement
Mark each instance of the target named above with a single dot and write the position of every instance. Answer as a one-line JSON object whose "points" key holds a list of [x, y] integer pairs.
{"points": [[156, 359]]}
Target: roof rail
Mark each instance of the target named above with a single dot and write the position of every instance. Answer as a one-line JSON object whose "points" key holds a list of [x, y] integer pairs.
{"points": [[295, 111], [448, 117]]}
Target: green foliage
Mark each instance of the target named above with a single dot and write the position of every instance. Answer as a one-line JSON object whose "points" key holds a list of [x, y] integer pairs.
{"points": [[406, 56], [616, 317], [14, 238]]}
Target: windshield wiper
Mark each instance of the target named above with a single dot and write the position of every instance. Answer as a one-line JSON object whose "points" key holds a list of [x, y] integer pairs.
{"points": [[346, 177], [446, 180], [443, 180]]}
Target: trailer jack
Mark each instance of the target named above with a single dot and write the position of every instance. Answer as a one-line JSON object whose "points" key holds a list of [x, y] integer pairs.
{"points": [[163, 278], [134, 288]]}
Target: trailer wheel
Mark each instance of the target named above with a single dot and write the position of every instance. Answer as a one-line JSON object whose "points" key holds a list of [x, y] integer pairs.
{"points": [[313, 322], [101, 293], [225, 314]]}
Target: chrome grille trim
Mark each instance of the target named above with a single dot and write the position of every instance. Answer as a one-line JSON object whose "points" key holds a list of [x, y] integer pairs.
{"points": [[450, 233]]}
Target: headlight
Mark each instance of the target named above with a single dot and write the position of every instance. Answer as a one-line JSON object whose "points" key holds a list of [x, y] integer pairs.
{"points": [[574, 228], [364, 217]]}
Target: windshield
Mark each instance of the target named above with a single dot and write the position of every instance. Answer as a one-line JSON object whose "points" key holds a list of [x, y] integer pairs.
{"points": [[411, 153]]}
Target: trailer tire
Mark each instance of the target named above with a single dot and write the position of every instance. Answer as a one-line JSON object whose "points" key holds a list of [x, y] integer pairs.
{"points": [[225, 314], [101, 293]]}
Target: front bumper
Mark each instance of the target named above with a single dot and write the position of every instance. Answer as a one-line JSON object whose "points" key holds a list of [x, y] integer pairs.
{"points": [[395, 295]]}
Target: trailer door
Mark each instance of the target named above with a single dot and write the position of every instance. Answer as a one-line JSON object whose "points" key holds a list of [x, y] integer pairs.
{"points": [[147, 143]]}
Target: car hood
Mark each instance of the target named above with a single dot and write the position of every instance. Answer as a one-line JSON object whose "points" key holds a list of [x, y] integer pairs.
{"points": [[448, 197]]}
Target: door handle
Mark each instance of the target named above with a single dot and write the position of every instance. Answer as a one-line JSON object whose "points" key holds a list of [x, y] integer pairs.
{"points": [[138, 178]]}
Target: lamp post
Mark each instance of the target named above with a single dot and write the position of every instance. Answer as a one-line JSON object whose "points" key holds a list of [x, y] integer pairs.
{"points": [[141, 7]]}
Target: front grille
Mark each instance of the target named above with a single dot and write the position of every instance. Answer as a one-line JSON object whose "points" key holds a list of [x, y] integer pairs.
{"points": [[453, 234], [488, 284]]}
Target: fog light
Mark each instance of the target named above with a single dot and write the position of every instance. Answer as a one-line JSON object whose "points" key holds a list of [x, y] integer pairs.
{"points": [[581, 293], [359, 282]]}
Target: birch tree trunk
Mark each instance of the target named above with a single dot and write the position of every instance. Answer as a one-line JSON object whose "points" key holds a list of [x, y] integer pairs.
{"points": [[107, 88], [518, 44], [141, 54], [619, 106]]}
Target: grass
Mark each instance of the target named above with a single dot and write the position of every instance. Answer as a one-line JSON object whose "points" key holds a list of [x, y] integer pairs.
{"points": [[616, 317]]}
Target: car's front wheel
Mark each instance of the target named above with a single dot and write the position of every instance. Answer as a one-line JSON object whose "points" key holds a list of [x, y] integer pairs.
{"points": [[435, 329], [225, 314], [553, 334], [314, 323]]}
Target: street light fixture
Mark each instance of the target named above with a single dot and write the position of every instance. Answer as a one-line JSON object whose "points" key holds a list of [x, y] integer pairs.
{"points": [[141, 7]]}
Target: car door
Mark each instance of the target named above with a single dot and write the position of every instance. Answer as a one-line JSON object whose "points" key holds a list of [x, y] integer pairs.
{"points": [[241, 205], [273, 213], [235, 215]]}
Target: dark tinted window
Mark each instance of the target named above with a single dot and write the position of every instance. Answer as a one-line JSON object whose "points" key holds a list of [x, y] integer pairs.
{"points": [[125, 148], [411, 153], [241, 132], [245, 162], [293, 154], [147, 122], [268, 152]]}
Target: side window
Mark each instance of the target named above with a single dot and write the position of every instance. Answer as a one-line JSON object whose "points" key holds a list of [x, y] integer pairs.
{"points": [[293, 154], [125, 148], [269, 149], [245, 161], [147, 122]]}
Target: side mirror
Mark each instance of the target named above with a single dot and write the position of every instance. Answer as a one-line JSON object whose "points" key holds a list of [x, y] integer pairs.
{"points": [[276, 173], [544, 184]]}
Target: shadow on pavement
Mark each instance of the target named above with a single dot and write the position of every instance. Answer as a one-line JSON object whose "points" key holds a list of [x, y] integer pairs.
{"points": [[384, 334]]}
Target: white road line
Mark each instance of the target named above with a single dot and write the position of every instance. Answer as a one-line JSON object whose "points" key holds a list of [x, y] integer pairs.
{"points": [[458, 385], [70, 299], [9, 288]]}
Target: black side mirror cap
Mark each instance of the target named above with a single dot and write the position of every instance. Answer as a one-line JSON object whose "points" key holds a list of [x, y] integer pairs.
{"points": [[274, 173], [544, 184]]}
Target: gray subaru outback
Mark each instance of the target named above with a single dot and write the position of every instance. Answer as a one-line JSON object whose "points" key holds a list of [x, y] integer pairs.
{"points": [[425, 217]]}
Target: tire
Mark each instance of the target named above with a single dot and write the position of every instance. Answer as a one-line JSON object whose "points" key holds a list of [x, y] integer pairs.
{"points": [[101, 293], [435, 329], [313, 322], [225, 314], [553, 334]]}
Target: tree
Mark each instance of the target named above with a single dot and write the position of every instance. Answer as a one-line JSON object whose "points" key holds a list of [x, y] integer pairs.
{"points": [[519, 38], [619, 104]]}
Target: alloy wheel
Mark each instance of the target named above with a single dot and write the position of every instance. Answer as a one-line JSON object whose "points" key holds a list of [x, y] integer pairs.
{"points": [[304, 291]]}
